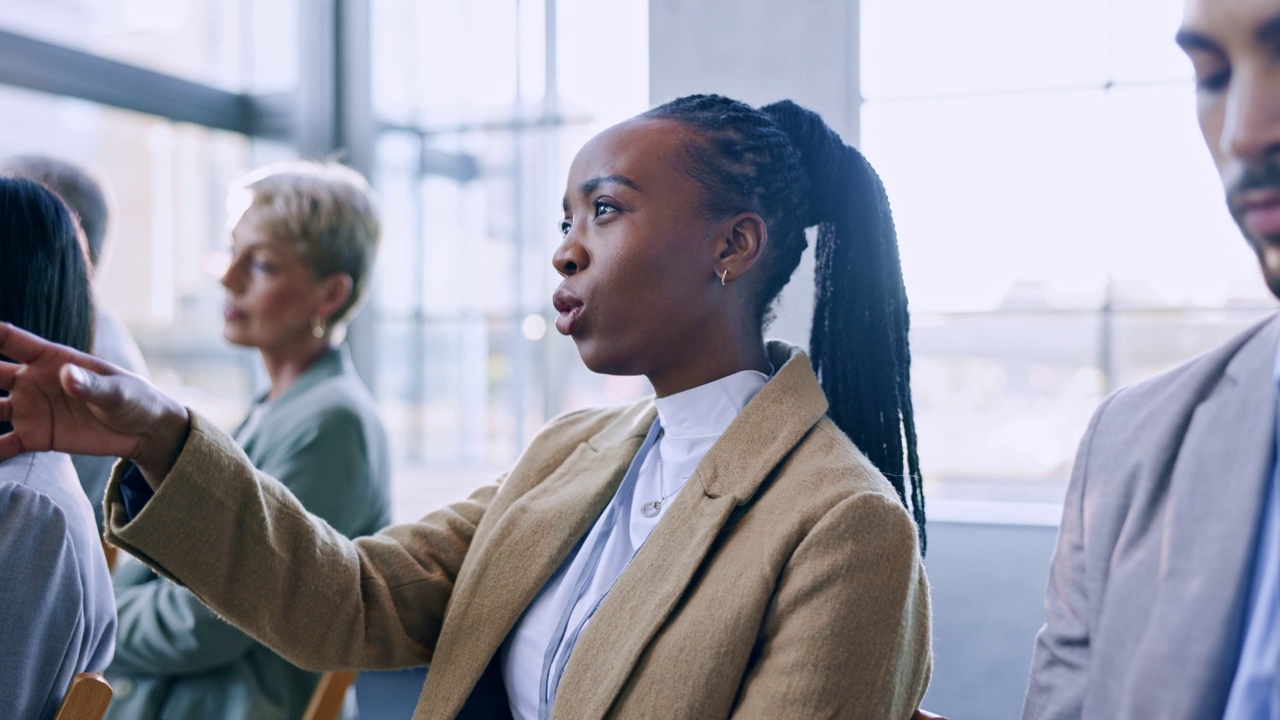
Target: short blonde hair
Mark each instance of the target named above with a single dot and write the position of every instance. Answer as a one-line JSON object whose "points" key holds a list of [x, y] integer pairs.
{"points": [[328, 210]]}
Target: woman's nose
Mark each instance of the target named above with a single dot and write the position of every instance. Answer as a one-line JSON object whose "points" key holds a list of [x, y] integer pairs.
{"points": [[570, 258], [228, 275]]}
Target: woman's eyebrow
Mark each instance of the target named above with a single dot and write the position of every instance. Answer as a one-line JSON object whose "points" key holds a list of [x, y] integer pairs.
{"points": [[589, 186], [252, 243], [594, 184]]}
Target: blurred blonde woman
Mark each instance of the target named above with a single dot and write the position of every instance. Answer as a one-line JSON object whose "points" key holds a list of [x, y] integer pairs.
{"points": [[302, 255]]}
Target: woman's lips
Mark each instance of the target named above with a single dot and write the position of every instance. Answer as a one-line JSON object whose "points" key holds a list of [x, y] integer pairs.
{"points": [[570, 320], [232, 314], [570, 307]]}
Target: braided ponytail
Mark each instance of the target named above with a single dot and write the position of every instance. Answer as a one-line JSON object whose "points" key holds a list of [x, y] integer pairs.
{"points": [[784, 163], [859, 342]]}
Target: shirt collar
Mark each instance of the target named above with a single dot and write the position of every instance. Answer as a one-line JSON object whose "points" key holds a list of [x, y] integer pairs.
{"points": [[707, 410]]}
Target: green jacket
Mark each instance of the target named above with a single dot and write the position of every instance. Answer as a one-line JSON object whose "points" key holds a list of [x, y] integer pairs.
{"points": [[175, 659]]}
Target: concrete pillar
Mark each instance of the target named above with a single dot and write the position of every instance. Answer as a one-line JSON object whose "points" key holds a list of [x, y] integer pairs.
{"points": [[759, 52], [334, 113]]}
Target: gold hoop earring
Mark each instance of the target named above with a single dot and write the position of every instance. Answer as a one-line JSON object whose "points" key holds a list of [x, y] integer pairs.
{"points": [[723, 275], [317, 328]]}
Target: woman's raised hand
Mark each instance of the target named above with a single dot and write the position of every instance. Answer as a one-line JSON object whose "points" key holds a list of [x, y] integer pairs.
{"points": [[66, 401]]}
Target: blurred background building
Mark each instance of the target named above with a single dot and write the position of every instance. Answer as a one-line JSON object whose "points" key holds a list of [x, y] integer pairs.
{"points": [[1062, 227]]}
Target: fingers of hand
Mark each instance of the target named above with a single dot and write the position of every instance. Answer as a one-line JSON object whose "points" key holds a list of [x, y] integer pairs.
{"points": [[20, 344], [109, 391], [10, 446], [95, 364], [6, 410], [25, 348], [8, 375], [78, 382], [118, 401], [107, 397]]}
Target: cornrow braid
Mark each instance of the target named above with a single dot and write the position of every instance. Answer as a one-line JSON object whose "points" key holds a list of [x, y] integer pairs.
{"points": [[785, 164]]}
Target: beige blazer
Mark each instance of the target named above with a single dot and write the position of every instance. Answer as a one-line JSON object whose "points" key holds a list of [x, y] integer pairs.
{"points": [[785, 580]]}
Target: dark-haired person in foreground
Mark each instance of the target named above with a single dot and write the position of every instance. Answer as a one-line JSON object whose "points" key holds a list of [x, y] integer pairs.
{"points": [[57, 614], [739, 546], [1164, 592], [87, 198]]}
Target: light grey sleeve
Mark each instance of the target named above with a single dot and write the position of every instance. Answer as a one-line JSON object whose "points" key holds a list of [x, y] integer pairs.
{"points": [[45, 633], [1060, 664]]}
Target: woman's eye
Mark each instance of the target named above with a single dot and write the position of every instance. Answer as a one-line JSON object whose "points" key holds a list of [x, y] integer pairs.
{"points": [[261, 266], [565, 227], [604, 208]]}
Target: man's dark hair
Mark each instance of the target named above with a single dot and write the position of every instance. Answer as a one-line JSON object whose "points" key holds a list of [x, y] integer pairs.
{"points": [[77, 188], [785, 164]]}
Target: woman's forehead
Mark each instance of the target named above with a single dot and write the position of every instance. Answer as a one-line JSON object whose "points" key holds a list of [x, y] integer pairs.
{"points": [[640, 148], [252, 232]]}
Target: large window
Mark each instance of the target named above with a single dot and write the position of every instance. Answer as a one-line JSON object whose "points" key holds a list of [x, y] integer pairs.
{"points": [[233, 44], [161, 262], [1062, 227], [472, 163], [477, 107]]}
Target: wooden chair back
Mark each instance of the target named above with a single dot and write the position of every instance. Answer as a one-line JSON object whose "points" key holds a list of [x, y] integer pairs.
{"points": [[326, 701], [86, 699]]}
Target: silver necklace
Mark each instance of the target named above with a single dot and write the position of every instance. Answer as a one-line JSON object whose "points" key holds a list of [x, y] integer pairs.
{"points": [[653, 507]]}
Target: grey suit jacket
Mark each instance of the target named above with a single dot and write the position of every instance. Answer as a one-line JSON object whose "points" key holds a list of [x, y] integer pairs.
{"points": [[1145, 605]]}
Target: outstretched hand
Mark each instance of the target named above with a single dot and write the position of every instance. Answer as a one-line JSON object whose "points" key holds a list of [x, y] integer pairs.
{"points": [[66, 401]]}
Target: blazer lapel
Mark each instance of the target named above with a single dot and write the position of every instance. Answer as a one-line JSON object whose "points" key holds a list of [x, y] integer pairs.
{"points": [[334, 362], [784, 411], [1219, 480], [528, 543]]}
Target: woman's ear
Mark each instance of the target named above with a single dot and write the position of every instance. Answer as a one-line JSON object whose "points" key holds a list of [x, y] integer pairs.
{"points": [[742, 244], [335, 290]]}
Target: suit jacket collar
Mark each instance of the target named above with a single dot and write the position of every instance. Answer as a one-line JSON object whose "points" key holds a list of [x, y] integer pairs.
{"points": [[775, 420], [1218, 483], [334, 362], [514, 554], [731, 473], [792, 394]]}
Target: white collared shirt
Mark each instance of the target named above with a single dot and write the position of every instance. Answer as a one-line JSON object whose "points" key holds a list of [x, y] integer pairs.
{"points": [[691, 422]]}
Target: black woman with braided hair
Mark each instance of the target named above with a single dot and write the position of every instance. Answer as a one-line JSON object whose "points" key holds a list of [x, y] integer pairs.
{"points": [[746, 543]]}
